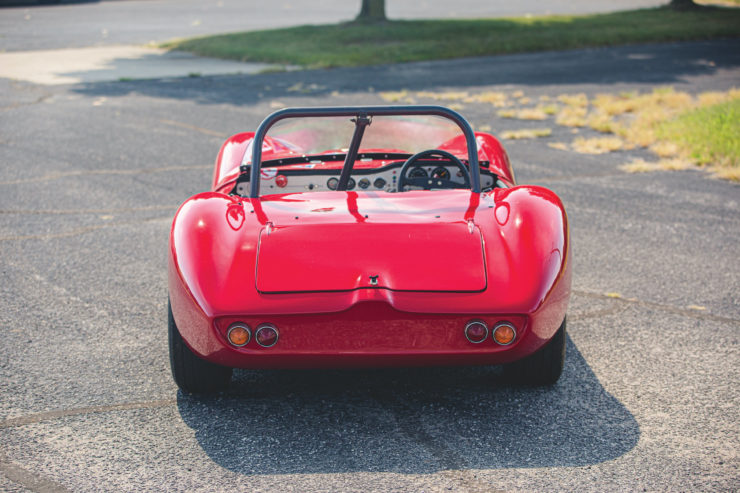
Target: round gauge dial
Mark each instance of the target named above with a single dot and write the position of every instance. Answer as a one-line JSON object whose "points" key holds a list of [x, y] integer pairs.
{"points": [[363, 183], [418, 172], [441, 172], [332, 183], [351, 184]]}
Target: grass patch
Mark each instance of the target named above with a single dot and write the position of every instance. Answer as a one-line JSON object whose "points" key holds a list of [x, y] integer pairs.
{"points": [[397, 96], [572, 116], [352, 44], [664, 149], [642, 166], [523, 114], [444, 96], [529, 133], [680, 129], [597, 145], [561, 146], [603, 123], [649, 111], [548, 109], [531, 114], [497, 99], [579, 100], [709, 136]]}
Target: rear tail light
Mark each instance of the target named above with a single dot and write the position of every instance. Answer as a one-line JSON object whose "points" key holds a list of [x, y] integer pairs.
{"points": [[476, 331], [239, 334], [266, 335], [504, 333]]}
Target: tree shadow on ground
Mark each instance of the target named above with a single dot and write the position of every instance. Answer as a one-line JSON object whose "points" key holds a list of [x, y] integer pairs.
{"points": [[410, 421], [642, 64]]}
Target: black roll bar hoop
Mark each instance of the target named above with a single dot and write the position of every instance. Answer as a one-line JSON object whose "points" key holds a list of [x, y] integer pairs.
{"points": [[357, 112]]}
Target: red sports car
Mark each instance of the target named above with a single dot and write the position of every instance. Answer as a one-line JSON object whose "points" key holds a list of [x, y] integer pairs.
{"points": [[367, 237]]}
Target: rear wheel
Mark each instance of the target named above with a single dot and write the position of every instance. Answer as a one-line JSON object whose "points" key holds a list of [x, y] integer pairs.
{"points": [[191, 373], [543, 367]]}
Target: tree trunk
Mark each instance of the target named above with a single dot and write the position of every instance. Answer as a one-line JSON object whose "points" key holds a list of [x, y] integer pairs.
{"points": [[372, 11], [683, 5]]}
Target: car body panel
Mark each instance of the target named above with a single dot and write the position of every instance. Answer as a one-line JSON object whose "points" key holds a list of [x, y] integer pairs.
{"points": [[368, 277], [213, 261], [362, 255]]}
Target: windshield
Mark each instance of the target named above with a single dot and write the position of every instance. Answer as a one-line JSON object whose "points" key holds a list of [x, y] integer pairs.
{"points": [[318, 135], [375, 136]]}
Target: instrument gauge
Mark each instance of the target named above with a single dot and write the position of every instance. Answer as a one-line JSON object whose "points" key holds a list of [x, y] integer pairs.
{"points": [[332, 183], [441, 172], [351, 184], [418, 172], [363, 183]]}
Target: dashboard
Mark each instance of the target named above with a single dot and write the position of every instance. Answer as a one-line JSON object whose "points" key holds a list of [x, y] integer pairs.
{"points": [[385, 178]]}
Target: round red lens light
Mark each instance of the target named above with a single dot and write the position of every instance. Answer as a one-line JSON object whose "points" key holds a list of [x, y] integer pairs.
{"points": [[281, 181], [476, 331], [266, 335]]}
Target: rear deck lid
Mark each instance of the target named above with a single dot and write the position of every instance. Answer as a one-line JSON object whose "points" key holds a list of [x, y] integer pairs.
{"points": [[443, 256]]}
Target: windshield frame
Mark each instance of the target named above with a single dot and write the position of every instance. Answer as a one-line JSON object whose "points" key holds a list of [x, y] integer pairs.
{"points": [[361, 113]]}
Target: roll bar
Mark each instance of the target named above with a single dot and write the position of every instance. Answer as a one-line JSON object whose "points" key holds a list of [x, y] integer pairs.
{"points": [[360, 113]]}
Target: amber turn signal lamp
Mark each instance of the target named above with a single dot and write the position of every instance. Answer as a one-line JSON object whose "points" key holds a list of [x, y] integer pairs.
{"points": [[504, 333], [239, 334]]}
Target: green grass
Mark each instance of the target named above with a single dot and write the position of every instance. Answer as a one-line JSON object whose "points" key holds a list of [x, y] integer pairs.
{"points": [[353, 44], [709, 136]]}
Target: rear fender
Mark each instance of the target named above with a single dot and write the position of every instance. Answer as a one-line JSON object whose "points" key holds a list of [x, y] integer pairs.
{"points": [[489, 149], [213, 239], [530, 256], [229, 158]]}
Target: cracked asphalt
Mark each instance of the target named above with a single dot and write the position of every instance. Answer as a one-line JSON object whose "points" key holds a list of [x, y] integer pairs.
{"points": [[92, 173]]}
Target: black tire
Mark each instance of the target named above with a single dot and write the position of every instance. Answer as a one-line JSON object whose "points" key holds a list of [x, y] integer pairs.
{"points": [[191, 373], [543, 367]]}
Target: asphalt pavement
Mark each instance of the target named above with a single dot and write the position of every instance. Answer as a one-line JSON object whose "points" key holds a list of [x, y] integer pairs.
{"points": [[92, 173]]}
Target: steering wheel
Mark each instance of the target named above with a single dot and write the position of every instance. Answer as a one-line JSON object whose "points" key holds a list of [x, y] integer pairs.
{"points": [[427, 182]]}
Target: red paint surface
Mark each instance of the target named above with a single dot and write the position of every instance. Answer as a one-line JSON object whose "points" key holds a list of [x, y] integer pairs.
{"points": [[338, 256], [212, 268]]}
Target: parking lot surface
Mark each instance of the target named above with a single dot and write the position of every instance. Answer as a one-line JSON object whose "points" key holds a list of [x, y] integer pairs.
{"points": [[93, 173]]}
